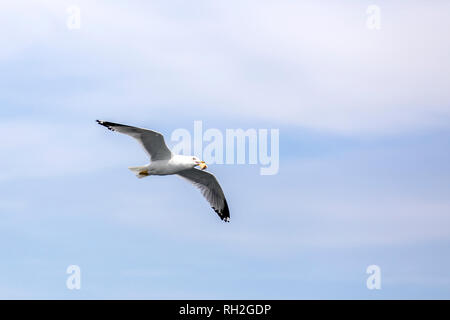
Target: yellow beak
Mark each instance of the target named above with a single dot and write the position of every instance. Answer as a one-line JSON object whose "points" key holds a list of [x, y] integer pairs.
{"points": [[203, 165]]}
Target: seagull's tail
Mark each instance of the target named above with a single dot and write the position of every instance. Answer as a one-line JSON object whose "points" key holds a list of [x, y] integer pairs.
{"points": [[140, 172]]}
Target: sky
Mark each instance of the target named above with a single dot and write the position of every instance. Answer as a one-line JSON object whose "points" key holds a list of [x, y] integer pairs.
{"points": [[364, 132]]}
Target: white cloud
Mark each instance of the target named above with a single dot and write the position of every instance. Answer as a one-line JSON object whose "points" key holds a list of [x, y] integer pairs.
{"points": [[307, 64], [352, 200], [58, 150]]}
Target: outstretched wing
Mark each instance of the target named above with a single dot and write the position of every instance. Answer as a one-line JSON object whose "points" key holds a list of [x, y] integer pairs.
{"points": [[152, 141], [211, 190]]}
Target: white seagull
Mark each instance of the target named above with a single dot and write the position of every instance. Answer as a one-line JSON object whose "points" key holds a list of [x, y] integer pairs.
{"points": [[164, 162]]}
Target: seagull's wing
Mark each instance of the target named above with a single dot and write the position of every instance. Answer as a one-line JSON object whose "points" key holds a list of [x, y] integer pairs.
{"points": [[211, 190], [152, 141]]}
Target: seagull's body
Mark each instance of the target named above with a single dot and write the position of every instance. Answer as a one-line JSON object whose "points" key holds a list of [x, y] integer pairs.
{"points": [[164, 167], [164, 162]]}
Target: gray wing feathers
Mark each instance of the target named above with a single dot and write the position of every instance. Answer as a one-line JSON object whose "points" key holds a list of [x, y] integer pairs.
{"points": [[210, 189], [152, 141]]}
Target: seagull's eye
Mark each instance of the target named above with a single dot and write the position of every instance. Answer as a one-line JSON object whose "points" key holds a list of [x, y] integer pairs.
{"points": [[193, 158]]}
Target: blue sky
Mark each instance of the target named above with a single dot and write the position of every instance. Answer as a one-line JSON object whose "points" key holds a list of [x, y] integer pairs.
{"points": [[364, 163]]}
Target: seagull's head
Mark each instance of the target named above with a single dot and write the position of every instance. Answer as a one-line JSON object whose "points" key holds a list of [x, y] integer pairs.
{"points": [[200, 163]]}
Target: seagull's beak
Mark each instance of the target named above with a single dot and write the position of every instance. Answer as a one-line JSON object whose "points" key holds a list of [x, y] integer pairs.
{"points": [[202, 165]]}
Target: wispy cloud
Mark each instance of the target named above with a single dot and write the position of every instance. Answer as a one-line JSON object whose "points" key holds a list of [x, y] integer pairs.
{"points": [[364, 166], [305, 64]]}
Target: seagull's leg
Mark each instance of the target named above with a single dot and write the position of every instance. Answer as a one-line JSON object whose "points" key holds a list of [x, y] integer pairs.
{"points": [[144, 173]]}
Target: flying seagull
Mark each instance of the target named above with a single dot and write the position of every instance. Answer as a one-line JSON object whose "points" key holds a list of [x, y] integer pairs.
{"points": [[164, 162]]}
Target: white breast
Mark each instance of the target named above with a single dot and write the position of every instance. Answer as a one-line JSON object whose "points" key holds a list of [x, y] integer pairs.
{"points": [[165, 167]]}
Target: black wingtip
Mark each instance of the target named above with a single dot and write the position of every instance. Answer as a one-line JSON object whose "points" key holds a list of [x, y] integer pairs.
{"points": [[107, 124], [224, 213]]}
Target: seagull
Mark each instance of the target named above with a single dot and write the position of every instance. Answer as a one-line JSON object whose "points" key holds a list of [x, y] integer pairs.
{"points": [[164, 162]]}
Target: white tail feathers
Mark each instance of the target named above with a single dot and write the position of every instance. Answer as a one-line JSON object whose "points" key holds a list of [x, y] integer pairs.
{"points": [[140, 172]]}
